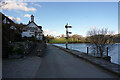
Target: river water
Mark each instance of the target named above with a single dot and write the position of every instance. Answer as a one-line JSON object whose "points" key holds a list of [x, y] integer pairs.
{"points": [[114, 51]]}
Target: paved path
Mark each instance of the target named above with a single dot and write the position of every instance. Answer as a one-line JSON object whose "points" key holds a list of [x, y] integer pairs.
{"points": [[55, 63], [59, 64], [21, 68]]}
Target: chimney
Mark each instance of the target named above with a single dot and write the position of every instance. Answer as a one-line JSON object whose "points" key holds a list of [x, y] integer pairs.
{"points": [[32, 18]]}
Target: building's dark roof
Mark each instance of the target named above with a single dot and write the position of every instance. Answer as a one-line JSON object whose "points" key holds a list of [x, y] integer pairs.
{"points": [[40, 27], [7, 19], [29, 22], [11, 23]]}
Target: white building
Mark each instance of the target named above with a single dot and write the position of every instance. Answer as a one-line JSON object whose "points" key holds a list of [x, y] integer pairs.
{"points": [[32, 29]]}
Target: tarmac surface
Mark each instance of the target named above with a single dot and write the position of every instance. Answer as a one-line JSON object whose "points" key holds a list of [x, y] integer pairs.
{"points": [[55, 63]]}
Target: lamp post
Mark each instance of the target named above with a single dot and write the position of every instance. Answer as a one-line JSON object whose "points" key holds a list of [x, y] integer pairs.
{"points": [[67, 32]]}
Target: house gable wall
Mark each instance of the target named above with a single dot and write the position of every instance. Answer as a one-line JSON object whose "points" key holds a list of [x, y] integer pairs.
{"points": [[32, 25]]}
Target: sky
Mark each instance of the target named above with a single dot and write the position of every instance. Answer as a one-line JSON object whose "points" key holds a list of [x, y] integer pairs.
{"points": [[53, 16]]}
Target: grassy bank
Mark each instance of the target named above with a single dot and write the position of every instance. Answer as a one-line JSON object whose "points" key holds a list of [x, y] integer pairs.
{"points": [[70, 40]]}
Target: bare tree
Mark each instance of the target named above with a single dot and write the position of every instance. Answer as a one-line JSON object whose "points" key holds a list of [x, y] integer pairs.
{"points": [[62, 36], [77, 37], [99, 40]]}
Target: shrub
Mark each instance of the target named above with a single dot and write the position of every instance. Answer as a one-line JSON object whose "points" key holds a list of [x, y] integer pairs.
{"points": [[15, 50], [10, 49], [18, 50]]}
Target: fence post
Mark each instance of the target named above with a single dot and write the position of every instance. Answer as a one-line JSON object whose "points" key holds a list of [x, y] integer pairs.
{"points": [[87, 50], [107, 51], [101, 54], [94, 51]]}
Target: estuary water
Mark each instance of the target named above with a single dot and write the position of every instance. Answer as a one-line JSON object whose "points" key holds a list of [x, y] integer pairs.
{"points": [[114, 51]]}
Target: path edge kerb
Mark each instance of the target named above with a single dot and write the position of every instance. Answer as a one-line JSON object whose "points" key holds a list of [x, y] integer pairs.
{"points": [[67, 50]]}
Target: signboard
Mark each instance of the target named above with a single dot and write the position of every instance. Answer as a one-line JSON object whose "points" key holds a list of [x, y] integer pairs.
{"points": [[70, 32], [68, 26]]}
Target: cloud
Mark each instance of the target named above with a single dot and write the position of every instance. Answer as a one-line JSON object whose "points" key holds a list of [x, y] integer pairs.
{"points": [[117, 32], [14, 19], [17, 6], [36, 4], [93, 27], [49, 32], [27, 15]]}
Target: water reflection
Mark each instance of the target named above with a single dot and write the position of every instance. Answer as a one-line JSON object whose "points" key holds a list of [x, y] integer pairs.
{"points": [[113, 51]]}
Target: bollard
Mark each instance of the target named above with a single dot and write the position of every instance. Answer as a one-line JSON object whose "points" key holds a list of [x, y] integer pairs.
{"points": [[66, 46], [94, 51], [101, 54], [87, 50], [107, 51]]}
